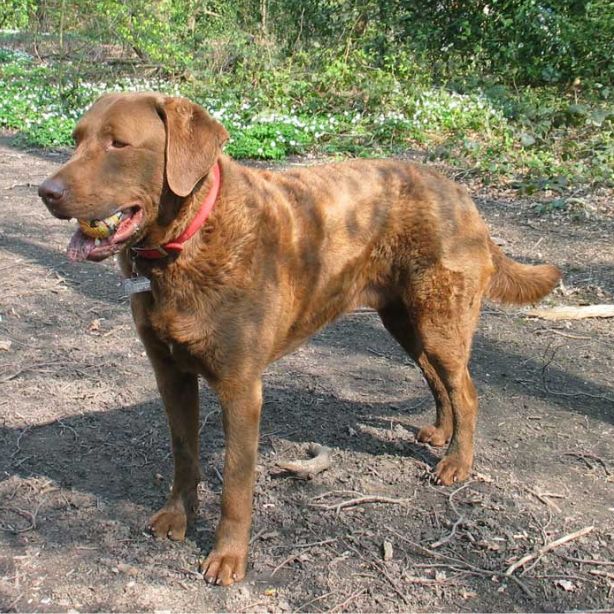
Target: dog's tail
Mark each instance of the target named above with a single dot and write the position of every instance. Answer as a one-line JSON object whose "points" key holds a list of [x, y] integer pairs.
{"points": [[517, 283]]}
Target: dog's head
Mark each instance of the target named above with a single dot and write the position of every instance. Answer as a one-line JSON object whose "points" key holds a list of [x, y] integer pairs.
{"points": [[140, 155]]}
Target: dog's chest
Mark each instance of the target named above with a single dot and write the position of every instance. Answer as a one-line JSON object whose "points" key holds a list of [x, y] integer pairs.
{"points": [[186, 360], [189, 337]]}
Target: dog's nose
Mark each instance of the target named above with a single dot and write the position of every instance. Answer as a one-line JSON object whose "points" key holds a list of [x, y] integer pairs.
{"points": [[51, 191]]}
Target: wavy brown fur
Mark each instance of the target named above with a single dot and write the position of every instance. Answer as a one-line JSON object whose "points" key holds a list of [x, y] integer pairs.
{"points": [[519, 284], [282, 254]]}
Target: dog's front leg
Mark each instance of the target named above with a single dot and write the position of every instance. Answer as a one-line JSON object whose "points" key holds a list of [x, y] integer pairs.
{"points": [[241, 405], [179, 392]]}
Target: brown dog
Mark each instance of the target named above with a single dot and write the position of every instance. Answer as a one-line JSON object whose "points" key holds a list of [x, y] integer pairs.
{"points": [[279, 256]]}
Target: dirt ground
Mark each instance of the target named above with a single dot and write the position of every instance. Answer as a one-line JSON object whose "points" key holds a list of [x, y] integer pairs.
{"points": [[85, 457]]}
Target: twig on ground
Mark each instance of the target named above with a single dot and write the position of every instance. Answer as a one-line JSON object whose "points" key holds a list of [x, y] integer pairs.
{"points": [[570, 312], [562, 333], [563, 576], [432, 581], [460, 518], [536, 244], [603, 397], [41, 368], [538, 554], [330, 493], [573, 559], [218, 474], [358, 501], [531, 384], [211, 413], [443, 557], [376, 353], [18, 442], [347, 602], [306, 469], [543, 498], [523, 587], [293, 557], [296, 555], [63, 425], [13, 603], [382, 569], [256, 536], [589, 455], [30, 516], [323, 542], [318, 598], [450, 535], [604, 574]]}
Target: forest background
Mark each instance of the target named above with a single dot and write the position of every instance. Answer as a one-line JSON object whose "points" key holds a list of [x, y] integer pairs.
{"points": [[516, 91]]}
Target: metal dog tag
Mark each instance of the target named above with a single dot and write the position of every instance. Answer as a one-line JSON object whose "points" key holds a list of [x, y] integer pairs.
{"points": [[134, 285]]}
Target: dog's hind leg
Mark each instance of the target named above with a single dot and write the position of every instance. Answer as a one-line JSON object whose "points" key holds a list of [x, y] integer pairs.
{"points": [[398, 322], [446, 305]]}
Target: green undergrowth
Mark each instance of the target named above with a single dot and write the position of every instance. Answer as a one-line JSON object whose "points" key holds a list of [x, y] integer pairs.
{"points": [[532, 138]]}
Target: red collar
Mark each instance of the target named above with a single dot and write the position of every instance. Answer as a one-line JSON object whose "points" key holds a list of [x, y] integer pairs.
{"points": [[176, 246]]}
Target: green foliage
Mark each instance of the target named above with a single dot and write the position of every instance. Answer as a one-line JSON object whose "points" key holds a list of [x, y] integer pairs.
{"points": [[527, 41], [48, 132], [16, 14], [273, 140], [14, 56], [530, 41], [340, 77]]}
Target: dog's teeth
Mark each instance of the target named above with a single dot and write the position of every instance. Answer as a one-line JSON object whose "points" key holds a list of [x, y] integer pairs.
{"points": [[96, 242]]}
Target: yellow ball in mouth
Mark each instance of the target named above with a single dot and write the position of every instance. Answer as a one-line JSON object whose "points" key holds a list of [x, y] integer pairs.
{"points": [[100, 229]]}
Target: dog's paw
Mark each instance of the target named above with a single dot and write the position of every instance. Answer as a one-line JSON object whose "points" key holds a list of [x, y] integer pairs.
{"points": [[224, 567], [451, 469], [171, 521], [433, 435]]}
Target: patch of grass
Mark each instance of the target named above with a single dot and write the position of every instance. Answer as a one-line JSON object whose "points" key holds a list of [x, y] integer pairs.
{"points": [[534, 138]]}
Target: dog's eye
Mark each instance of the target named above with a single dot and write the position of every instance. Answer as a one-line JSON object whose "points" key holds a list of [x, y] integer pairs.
{"points": [[116, 144]]}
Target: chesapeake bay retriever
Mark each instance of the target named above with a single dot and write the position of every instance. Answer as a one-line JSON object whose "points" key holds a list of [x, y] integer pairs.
{"points": [[244, 265]]}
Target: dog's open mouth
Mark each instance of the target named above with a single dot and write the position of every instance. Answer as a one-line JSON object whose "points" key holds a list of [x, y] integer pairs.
{"points": [[107, 236]]}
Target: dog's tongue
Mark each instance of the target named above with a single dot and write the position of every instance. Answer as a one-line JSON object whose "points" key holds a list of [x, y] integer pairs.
{"points": [[80, 247]]}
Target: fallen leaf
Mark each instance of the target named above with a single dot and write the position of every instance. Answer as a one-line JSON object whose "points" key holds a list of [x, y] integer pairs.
{"points": [[489, 544], [387, 551], [566, 585]]}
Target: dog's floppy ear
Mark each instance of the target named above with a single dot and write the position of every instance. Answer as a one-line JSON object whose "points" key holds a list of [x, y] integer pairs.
{"points": [[193, 142]]}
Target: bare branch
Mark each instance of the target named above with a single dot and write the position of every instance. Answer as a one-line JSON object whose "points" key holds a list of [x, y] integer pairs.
{"points": [[547, 548], [305, 469], [565, 312]]}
